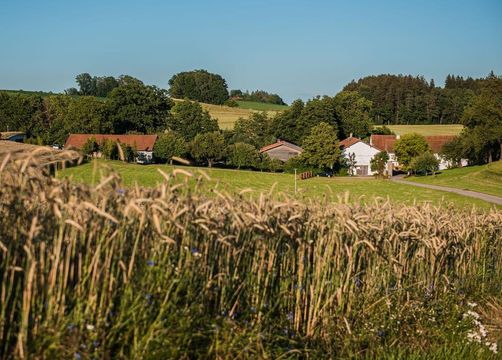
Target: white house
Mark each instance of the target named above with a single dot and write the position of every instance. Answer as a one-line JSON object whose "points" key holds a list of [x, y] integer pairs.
{"points": [[436, 143], [361, 153]]}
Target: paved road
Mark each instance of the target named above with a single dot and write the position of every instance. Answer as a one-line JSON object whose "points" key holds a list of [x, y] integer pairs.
{"points": [[490, 198]]}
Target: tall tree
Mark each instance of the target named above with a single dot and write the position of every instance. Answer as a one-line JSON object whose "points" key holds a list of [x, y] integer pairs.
{"points": [[208, 147], [483, 121], [189, 119], [255, 130], [285, 124], [321, 147], [408, 147], [140, 108], [86, 83], [354, 111], [199, 85]]}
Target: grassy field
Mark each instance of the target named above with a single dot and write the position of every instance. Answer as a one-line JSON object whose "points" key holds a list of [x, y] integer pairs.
{"points": [[426, 130], [227, 116], [485, 178], [254, 183]]}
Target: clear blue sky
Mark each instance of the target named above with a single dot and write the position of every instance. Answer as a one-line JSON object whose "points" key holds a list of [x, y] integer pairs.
{"points": [[295, 48]]}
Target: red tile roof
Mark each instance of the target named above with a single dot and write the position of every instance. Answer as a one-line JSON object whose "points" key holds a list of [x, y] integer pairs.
{"points": [[139, 142], [438, 141], [383, 142], [281, 143], [348, 142], [386, 142]]}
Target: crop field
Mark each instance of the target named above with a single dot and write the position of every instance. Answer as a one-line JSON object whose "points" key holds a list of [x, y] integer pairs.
{"points": [[169, 272], [253, 183], [427, 130], [261, 106], [484, 178]]}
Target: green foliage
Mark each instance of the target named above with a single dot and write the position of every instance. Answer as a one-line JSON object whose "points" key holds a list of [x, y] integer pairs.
{"points": [[285, 124], [266, 163], [100, 86], [199, 85], [404, 99], [483, 121], [379, 162], [255, 130], [454, 151], [209, 146], [382, 130], [424, 164], [130, 153], [316, 111], [109, 149], [354, 111], [90, 147], [231, 103], [242, 155], [258, 96], [137, 107], [169, 145], [189, 119], [321, 147], [408, 147]]}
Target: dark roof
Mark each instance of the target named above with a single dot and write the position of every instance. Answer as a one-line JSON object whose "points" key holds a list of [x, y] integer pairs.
{"points": [[6, 135], [386, 142], [348, 142], [281, 143], [139, 142]]}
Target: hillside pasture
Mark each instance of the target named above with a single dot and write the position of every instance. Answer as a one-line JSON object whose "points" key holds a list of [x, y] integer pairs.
{"points": [[484, 178], [427, 130], [253, 183]]}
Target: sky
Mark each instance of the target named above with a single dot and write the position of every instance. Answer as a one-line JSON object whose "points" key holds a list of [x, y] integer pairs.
{"points": [[298, 49]]}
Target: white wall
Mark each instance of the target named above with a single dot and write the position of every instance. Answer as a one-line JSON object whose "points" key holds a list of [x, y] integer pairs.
{"points": [[363, 155]]}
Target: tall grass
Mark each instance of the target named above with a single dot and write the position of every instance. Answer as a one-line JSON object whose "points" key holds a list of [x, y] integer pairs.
{"points": [[103, 272]]}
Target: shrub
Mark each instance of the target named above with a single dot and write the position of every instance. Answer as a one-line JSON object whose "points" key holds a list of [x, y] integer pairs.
{"points": [[243, 155], [169, 145], [408, 147], [231, 103], [424, 164], [90, 147], [109, 149], [379, 163]]}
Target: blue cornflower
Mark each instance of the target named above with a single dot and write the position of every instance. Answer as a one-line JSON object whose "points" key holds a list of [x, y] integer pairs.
{"points": [[150, 263]]}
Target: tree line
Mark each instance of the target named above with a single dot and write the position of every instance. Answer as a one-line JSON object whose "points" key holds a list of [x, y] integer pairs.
{"points": [[257, 96], [405, 99], [133, 107]]}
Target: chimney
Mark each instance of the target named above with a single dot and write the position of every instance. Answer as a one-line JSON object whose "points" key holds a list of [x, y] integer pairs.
{"points": [[350, 135]]}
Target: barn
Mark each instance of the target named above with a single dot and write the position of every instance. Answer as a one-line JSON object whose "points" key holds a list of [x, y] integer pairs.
{"points": [[281, 150]]}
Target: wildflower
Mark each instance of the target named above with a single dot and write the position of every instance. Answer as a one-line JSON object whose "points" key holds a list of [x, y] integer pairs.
{"points": [[472, 305], [89, 327], [120, 191], [195, 252], [150, 263], [381, 333], [95, 343], [77, 356], [290, 317]]}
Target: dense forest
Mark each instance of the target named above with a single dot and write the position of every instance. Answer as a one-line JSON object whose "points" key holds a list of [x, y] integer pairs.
{"points": [[405, 99]]}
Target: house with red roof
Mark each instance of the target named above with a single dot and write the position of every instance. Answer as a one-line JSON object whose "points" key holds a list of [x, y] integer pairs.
{"points": [[143, 144], [281, 150], [358, 155]]}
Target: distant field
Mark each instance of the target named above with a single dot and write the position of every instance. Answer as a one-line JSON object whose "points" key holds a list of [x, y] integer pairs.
{"points": [[227, 116], [261, 106], [426, 130], [234, 181], [485, 178]]}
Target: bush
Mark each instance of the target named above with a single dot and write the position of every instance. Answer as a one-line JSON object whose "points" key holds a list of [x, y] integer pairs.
{"points": [[90, 147], [379, 163], [408, 147], [424, 164], [169, 145], [231, 103], [242, 155], [109, 149]]}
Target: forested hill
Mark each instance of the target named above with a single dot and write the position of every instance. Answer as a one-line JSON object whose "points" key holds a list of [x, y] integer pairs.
{"points": [[405, 99]]}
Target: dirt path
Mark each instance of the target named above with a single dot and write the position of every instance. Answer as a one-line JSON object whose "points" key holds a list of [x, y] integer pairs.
{"points": [[474, 194]]}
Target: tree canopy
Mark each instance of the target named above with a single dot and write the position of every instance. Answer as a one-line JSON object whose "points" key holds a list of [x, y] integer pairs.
{"points": [[321, 147], [199, 85], [408, 147], [208, 147], [189, 119]]}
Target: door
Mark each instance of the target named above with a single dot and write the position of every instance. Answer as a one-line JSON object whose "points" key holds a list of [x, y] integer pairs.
{"points": [[362, 170]]}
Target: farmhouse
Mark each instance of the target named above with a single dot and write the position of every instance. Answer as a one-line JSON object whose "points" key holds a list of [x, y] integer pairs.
{"points": [[281, 150], [361, 154], [436, 143], [143, 144]]}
